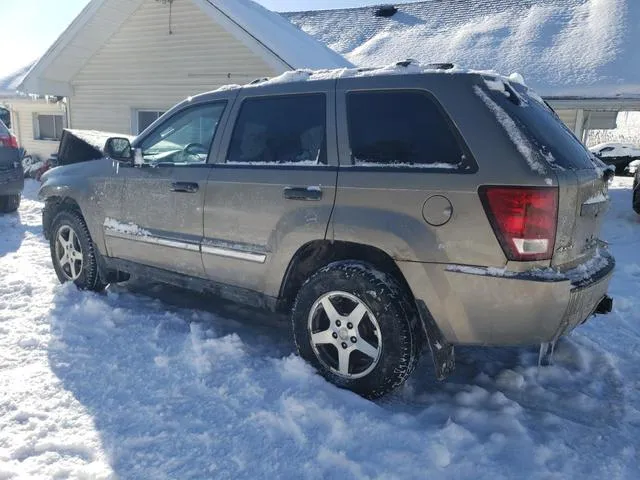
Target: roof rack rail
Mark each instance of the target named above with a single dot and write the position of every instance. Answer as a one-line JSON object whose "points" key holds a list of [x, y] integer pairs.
{"points": [[258, 80], [407, 62]]}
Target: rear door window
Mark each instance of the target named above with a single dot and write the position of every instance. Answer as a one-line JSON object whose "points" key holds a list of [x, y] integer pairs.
{"points": [[288, 129], [401, 129], [545, 129]]}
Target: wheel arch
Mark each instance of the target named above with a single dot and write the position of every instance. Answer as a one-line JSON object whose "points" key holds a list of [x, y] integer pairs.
{"points": [[53, 206], [317, 254]]}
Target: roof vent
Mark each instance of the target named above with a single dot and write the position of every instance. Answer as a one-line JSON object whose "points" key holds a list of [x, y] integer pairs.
{"points": [[441, 66], [386, 11]]}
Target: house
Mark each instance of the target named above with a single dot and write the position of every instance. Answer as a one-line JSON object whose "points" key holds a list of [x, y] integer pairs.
{"points": [[36, 121], [582, 56], [122, 63]]}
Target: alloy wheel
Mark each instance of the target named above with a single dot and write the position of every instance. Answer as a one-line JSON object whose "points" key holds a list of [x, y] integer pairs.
{"points": [[69, 252], [345, 335]]}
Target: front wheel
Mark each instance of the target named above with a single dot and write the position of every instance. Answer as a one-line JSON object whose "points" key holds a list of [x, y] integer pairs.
{"points": [[73, 253], [356, 326]]}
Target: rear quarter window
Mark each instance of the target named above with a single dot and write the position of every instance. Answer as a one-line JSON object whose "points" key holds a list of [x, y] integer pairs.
{"points": [[394, 128], [3, 129], [545, 130]]}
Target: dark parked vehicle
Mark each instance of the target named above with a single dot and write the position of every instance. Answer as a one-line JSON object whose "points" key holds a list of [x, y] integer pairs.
{"points": [[11, 174], [381, 210]]}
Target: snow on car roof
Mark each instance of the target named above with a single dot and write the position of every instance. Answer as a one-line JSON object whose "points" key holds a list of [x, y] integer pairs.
{"points": [[562, 47], [408, 67], [616, 150]]}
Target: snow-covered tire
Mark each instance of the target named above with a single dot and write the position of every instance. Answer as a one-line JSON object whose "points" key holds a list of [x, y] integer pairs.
{"points": [[78, 243], [9, 203], [636, 198], [376, 301]]}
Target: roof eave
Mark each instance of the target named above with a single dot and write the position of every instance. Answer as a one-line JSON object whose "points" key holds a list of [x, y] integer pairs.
{"points": [[43, 86]]}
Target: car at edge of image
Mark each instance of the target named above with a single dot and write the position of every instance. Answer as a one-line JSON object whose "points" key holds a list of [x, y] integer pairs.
{"points": [[384, 213], [11, 173], [619, 155], [635, 202]]}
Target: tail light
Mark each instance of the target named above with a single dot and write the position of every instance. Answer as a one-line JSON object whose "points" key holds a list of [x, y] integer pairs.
{"points": [[524, 219], [10, 142]]}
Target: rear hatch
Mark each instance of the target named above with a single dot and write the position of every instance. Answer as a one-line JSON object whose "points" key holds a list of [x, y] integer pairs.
{"points": [[582, 179]]}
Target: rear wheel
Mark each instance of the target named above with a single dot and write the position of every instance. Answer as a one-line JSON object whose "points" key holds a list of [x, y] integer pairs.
{"points": [[9, 203], [636, 197], [73, 253], [355, 325]]}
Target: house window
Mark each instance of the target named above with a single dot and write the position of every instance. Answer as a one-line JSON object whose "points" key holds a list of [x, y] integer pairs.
{"points": [[49, 127], [146, 118]]}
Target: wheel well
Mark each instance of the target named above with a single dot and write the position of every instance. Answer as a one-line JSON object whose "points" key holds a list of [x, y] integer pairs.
{"points": [[52, 207], [315, 255]]}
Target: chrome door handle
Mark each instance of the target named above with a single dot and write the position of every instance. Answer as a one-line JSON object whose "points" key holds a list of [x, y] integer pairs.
{"points": [[303, 193], [185, 187]]}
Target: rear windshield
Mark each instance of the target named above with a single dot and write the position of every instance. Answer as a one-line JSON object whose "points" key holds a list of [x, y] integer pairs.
{"points": [[545, 129], [3, 129]]}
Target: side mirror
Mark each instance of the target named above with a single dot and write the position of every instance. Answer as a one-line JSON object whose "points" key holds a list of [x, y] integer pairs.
{"points": [[119, 149]]}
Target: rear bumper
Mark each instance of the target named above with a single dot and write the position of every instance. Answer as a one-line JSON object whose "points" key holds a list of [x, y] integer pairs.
{"points": [[11, 181], [485, 306]]}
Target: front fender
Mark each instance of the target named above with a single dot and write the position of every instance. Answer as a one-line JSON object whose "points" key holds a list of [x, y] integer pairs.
{"points": [[90, 187]]}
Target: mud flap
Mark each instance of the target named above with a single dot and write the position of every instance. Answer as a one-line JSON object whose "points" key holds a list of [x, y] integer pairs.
{"points": [[545, 356], [442, 352]]}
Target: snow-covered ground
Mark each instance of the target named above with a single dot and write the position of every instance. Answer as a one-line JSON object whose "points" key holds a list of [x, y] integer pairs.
{"points": [[154, 382]]}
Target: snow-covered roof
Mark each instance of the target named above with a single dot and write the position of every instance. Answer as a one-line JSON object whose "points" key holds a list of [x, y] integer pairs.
{"points": [[268, 34], [9, 84], [563, 48]]}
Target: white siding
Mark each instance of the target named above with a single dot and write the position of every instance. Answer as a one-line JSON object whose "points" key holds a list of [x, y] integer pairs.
{"points": [[23, 112], [142, 66]]}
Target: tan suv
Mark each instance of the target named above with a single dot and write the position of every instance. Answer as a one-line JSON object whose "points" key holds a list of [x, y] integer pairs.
{"points": [[384, 210]]}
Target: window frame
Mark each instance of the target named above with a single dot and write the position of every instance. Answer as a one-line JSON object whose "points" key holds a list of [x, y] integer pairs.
{"points": [[172, 114], [237, 111], [37, 134], [470, 167]]}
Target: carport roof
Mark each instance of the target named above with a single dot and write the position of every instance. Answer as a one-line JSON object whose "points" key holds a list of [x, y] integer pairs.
{"points": [[563, 48]]}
